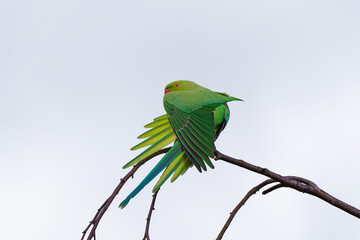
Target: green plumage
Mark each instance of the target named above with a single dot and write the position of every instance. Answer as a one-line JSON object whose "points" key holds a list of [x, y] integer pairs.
{"points": [[195, 117]]}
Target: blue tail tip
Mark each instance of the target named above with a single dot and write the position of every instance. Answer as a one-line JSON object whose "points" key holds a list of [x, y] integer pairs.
{"points": [[124, 203]]}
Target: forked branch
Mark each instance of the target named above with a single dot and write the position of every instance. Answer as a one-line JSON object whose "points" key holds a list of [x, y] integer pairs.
{"points": [[305, 187], [297, 183], [100, 212]]}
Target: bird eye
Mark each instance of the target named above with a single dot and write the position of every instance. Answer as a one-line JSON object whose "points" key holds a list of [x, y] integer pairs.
{"points": [[176, 85]]}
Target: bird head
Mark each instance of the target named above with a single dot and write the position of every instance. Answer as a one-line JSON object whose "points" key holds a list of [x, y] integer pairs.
{"points": [[181, 85]]}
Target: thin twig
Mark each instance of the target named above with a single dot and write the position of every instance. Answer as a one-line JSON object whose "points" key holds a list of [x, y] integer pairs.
{"points": [[253, 191], [152, 208], [240, 204], [100, 212]]}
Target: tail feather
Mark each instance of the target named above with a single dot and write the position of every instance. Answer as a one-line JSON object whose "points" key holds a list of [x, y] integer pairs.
{"points": [[172, 154], [169, 170], [154, 130], [186, 163]]}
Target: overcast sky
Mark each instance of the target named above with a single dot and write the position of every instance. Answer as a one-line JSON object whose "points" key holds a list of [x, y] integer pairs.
{"points": [[79, 79]]}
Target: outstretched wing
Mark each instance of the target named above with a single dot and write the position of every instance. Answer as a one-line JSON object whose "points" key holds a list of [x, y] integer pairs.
{"points": [[191, 115], [195, 131], [159, 136]]}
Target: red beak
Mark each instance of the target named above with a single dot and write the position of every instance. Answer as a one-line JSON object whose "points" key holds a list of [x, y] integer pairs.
{"points": [[167, 90]]}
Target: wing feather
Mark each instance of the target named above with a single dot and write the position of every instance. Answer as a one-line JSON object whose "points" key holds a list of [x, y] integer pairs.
{"points": [[195, 131], [161, 117], [201, 135], [166, 140], [154, 138], [199, 164], [154, 130], [156, 122], [197, 140]]}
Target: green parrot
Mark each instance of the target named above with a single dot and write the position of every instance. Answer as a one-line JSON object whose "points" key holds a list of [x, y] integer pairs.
{"points": [[194, 118]]}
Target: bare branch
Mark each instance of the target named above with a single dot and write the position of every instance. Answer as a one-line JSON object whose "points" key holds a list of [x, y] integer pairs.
{"points": [[241, 203], [100, 212], [152, 208], [302, 180], [311, 189], [297, 183], [253, 191]]}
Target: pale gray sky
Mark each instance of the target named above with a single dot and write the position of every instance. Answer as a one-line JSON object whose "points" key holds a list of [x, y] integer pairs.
{"points": [[79, 79]]}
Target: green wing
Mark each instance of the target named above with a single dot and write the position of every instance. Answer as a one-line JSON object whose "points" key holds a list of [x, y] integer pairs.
{"points": [[159, 136], [193, 121], [191, 116], [195, 132]]}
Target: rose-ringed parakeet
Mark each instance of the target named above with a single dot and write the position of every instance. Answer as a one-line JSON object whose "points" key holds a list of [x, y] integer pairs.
{"points": [[194, 118]]}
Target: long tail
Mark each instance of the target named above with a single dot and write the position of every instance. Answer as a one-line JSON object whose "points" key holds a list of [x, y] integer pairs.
{"points": [[175, 154]]}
